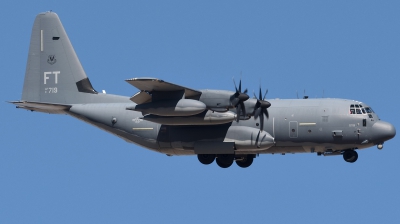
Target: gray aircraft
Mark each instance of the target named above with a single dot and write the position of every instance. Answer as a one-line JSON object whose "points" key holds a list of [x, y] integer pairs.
{"points": [[224, 126]]}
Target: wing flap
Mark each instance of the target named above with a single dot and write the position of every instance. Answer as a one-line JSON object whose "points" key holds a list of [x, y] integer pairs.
{"points": [[141, 97]]}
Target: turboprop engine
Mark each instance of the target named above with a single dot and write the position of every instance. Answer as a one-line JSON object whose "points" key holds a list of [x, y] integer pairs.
{"points": [[182, 107], [236, 140], [248, 138]]}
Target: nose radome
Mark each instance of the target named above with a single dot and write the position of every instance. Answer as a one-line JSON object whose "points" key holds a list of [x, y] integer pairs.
{"points": [[383, 131]]}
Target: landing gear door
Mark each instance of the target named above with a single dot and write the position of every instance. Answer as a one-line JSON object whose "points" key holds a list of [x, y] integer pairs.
{"points": [[163, 137]]}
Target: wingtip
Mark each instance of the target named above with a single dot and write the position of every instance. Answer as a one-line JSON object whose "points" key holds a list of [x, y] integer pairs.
{"points": [[144, 79]]}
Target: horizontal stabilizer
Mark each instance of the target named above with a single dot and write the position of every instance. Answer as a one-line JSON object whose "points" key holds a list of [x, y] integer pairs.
{"points": [[51, 108]]}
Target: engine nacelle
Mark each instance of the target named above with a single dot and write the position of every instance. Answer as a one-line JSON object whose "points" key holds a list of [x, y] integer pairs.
{"points": [[182, 107], [248, 138], [205, 118]]}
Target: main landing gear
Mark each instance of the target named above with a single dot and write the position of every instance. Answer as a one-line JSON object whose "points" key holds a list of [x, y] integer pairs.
{"points": [[245, 161], [206, 158], [350, 156], [226, 160]]}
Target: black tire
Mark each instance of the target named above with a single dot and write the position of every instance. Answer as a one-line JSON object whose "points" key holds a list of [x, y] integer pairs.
{"points": [[225, 160], [246, 162], [206, 158], [350, 156]]}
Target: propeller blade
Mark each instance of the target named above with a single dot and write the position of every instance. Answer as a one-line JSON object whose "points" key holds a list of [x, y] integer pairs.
{"points": [[238, 98], [265, 94], [235, 101], [263, 138], [266, 113], [235, 85], [257, 113], [261, 107], [243, 108], [237, 113]]}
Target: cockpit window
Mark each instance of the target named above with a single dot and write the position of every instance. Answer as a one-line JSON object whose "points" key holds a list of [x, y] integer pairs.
{"points": [[369, 110], [359, 109]]}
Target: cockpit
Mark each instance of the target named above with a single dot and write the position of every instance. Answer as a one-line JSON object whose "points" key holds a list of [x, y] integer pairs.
{"points": [[359, 109]]}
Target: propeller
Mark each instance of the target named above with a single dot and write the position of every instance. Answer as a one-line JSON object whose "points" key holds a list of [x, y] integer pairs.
{"points": [[237, 100], [261, 108]]}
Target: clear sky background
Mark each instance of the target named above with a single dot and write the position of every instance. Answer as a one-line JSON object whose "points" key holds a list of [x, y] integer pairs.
{"points": [[56, 169]]}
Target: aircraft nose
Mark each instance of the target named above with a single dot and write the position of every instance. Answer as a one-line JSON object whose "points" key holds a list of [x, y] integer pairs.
{"points": [[383, 131]]}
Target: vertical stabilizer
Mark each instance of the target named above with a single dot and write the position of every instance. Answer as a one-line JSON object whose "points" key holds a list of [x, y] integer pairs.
{"points": [[53, 72]]}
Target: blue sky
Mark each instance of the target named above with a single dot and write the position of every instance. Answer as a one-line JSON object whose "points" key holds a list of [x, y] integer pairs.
{"points": [[55, 169]]}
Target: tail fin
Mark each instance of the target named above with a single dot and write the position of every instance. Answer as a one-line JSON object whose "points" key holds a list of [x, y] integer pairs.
{"points": [[53, 72]]}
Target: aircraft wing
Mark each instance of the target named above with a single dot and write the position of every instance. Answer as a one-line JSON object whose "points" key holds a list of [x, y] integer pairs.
{"points": [[148, 85]]}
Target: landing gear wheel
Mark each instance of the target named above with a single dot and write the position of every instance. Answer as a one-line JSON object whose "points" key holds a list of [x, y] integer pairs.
{"points": [[225, 160], [206, 158], [350, 156], [246, 162]]}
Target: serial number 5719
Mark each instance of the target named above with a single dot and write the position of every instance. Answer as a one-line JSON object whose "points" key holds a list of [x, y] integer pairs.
{"points": [[50, 90]]}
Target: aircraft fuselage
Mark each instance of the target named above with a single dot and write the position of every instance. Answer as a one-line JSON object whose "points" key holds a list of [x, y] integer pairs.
{"points": [[296, 125]]}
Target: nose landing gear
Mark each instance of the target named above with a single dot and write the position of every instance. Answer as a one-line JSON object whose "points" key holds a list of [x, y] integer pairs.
{"points": [[380, 146]]}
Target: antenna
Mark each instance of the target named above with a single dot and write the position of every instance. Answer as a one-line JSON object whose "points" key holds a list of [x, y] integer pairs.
{"points": [[304, 96], [297, 93]]}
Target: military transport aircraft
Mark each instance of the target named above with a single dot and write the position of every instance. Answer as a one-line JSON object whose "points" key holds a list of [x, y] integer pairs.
{"points": [[224, 126]]}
